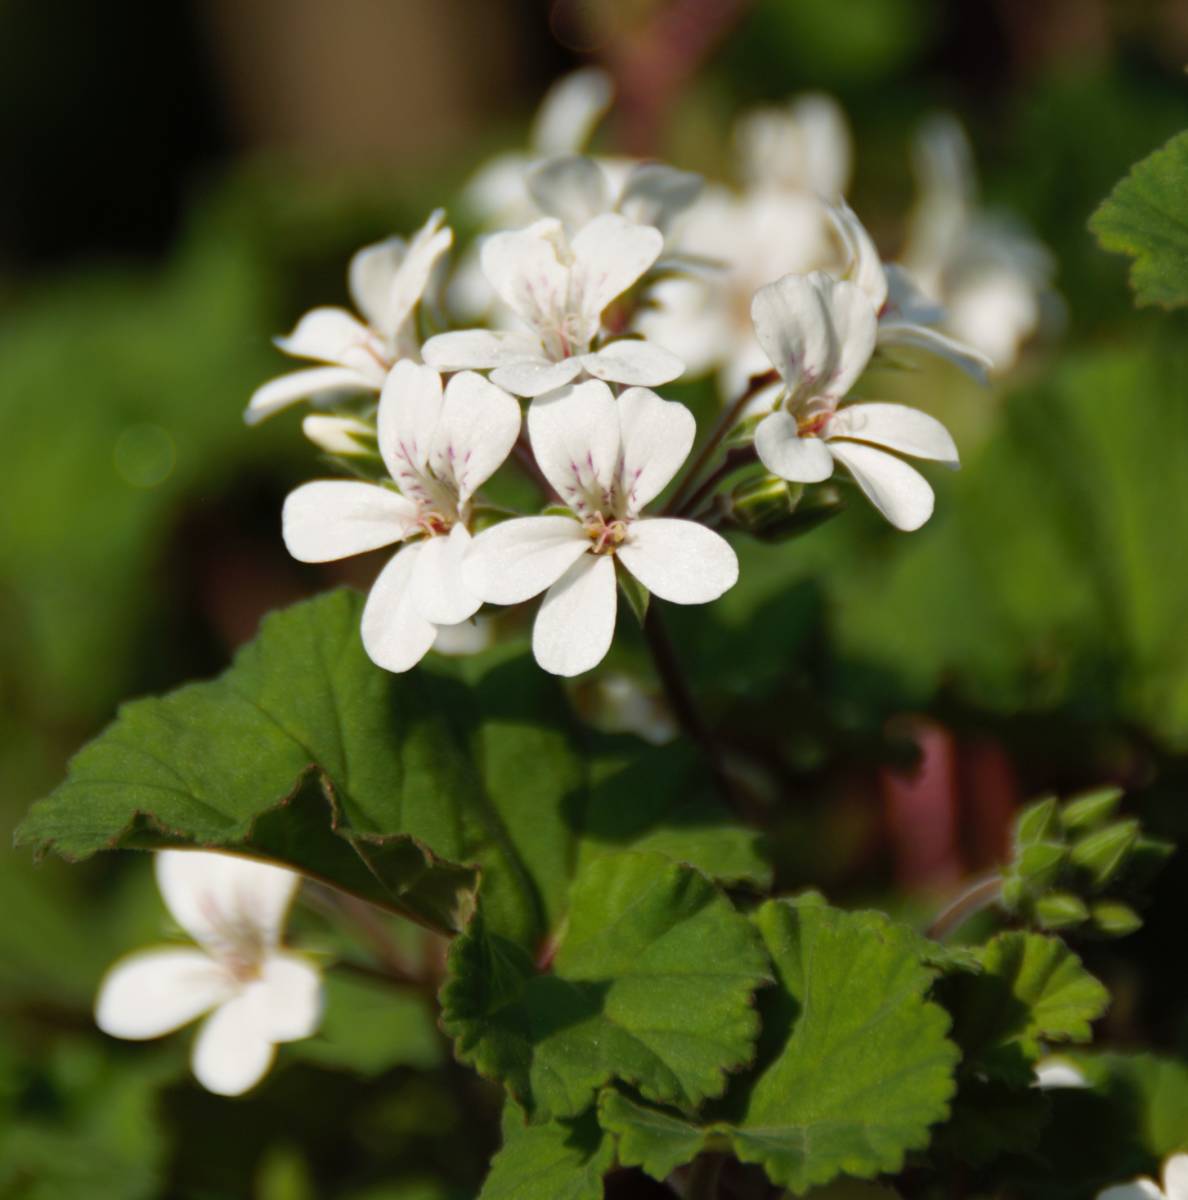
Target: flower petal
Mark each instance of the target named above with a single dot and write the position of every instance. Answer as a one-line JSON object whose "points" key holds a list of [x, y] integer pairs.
{"points": [[409, 410], [920, 337], [231, 1054], [536, 376], [576, 622], [395, 634], [468, 349], [286, 1000], [656, 193], [1138, 1189], [371, 274], [865, 267], [338, 435], [330, 335], [523, 267], [212, 895], [154, 992], [437, 587], [335, 518], [575, 437], [896, 427], [610, 253], [521, 557], [315, 383], [412, 276], [898, 491], [1175, 1177], [785, 453], [680, 561], [571, 187], [570, 110], [630, 360], [657, 436], [478, 427]]}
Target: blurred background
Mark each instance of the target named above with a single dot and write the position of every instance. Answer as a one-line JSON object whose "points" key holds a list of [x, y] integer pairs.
{"points": [[182, 180]]}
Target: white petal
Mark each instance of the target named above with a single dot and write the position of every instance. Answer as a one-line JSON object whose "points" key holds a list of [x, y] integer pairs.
{"points": [[332, 335], [412, 276], [523, 268], [656, 193], [785, 453], [1055, 1073], [335, 518], [575, 439], [572, 188], [901, 333], [630, 360], [409, 410], [898, 491], [286, 1000], [824, 143], [610, 254], [680, 561], [1175, 1177], [213, 895], [395, 634], [536, 376], [338, 435], [865, 266], [521, 557], [438, 591], [657, 436], [570, 110], [230, 1053], [793, 324], [469, 349], [1138, 1189], [907, 300], [314, 383], [371, 274], [576, 621], [897, 427], [478, 427], [155, 992]]}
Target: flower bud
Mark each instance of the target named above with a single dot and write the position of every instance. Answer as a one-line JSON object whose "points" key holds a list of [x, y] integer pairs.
{"points": [[1059, 910], [343, 436], [1091, 808], [1102, 854], [1114, 919]]}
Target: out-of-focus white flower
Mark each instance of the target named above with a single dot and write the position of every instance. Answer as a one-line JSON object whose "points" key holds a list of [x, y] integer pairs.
{"points": [[1175, 1184], [256, 993], [623, 706], [905, 314], [1058, 1072], [439, 447], [606, 458], [387, 282], [991, 276], [819, 333], [340, 435], [802, 146], [559, 288]]}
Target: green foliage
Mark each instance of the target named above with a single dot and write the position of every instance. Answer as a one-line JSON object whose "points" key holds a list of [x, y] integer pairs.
{"points": [[1146, 217], [556, 1160], [648, 1137], [631, 995]]}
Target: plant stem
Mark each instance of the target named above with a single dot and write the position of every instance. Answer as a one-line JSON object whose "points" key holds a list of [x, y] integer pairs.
{"points": [[977, 896], [726, 422], [680, 696], [735, 460], [702, 1181]]}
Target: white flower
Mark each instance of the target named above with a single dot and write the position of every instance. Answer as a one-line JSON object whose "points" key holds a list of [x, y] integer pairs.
{"points": [[1055, 1072], [559, 289], [257, 994], [1175, 1184], [906, 315], [819, 334], [439, 448], [606, 459], [990, 275], [802, 146], [386, 282]]}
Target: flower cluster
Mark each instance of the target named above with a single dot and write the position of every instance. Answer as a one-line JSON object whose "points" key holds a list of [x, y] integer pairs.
{"points": [[614, 279]]}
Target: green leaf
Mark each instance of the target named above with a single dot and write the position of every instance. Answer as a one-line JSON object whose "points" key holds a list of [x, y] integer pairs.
{"points": [[634, 592], [635, 992], [1146, 217], [368, 1027], [857, 1063], [991, 1119], [556, 1160], [1032, 989], [648, 1137]]}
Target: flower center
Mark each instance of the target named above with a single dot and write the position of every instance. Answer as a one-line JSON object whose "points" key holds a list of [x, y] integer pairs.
{"points": [[605, 536], [812, 425], [434, 524]]}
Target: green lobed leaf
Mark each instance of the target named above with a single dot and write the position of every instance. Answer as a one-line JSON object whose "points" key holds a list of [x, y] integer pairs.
{"points": [[855, 1065], [651, 984], [1146, 217], [556, 1160], [1032, 989]]}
